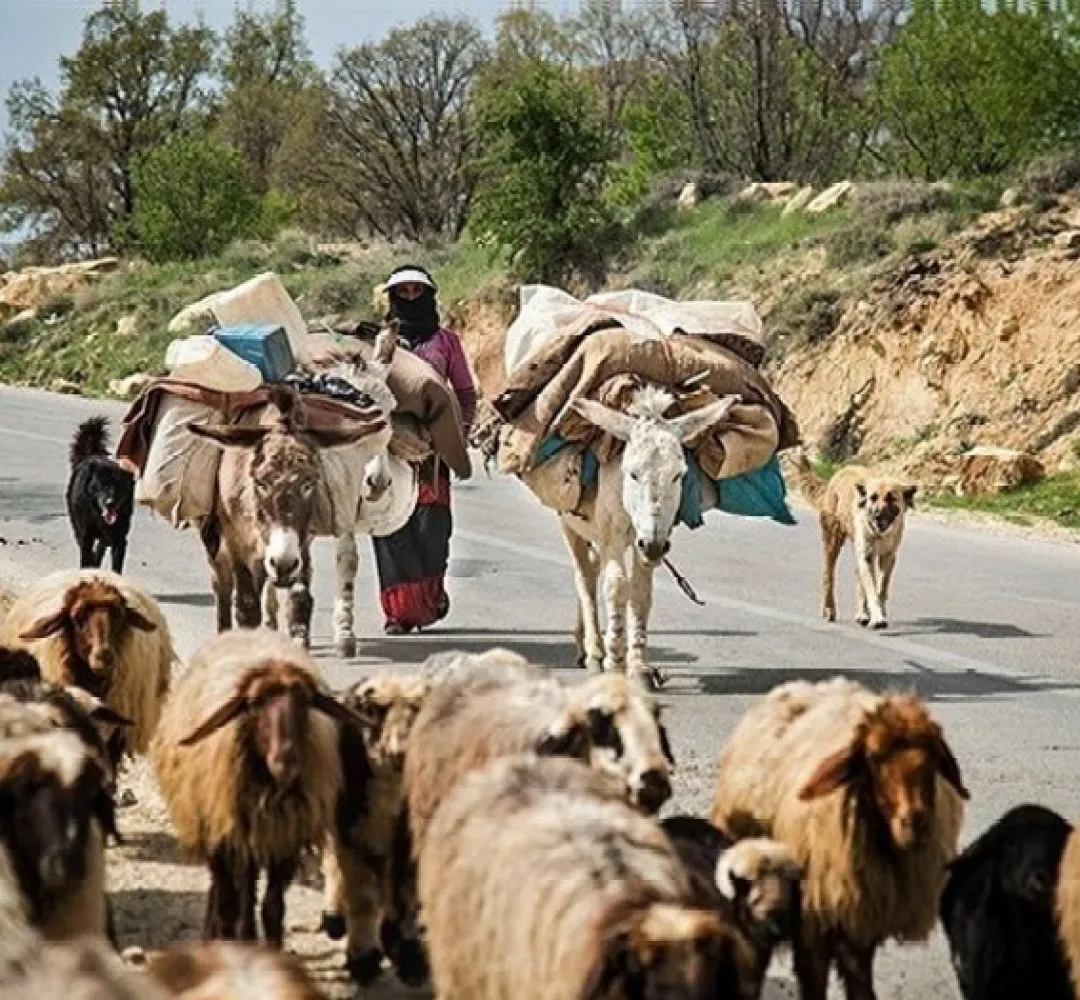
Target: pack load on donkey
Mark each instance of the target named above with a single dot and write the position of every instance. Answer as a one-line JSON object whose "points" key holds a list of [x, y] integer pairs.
{"points": [[628, 414]]}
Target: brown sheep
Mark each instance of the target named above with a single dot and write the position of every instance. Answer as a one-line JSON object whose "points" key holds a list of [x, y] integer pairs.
{"points": [[225, 971], [98, 631], [55, 811], [357, 865], [867, 794], [248, 763], [538, 879], [86, 969]]}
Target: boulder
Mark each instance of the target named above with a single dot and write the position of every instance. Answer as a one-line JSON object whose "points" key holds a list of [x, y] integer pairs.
{"points": [[65, 386], [831, 197], [799, 200], [130, 387], [780, 190], [689, 197], [1011, 197], [127, 326], [988, 471]]}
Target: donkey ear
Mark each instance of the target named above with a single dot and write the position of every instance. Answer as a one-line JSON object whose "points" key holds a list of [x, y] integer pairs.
{"points": [[228, 436], [835, 771], [697, 422], [341, 436], [614, 422], [386, 343], [45, 626], [232, 709]]}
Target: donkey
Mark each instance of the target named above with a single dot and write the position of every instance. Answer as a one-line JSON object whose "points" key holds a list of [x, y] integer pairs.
{"points": [[258, 537], [625, 533]]}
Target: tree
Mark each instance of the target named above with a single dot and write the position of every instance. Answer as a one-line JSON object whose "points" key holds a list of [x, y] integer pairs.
{"points": [[267, 74], [191, 199], [67, 169], [546, 157], [399, 140], [965, 91]]}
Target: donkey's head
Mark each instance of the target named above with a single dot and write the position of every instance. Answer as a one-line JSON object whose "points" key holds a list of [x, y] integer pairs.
{"points": [[280, 478], [653, 463]]}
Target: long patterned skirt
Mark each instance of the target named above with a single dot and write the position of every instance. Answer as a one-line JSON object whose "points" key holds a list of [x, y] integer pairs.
{"points": [[412, 562]]}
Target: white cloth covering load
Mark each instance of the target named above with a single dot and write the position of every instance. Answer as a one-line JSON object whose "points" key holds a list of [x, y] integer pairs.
{"points": [[546, 311]]}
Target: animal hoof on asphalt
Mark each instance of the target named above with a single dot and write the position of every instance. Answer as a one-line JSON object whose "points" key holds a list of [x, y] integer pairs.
{"points": [[333, 925], [365, 968], [829, 616], [879, 626], [410, 964], [863, 622], [346, 647]]}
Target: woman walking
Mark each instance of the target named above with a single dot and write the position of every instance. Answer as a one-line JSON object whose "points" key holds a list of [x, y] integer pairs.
{"points": [[412, 562]]}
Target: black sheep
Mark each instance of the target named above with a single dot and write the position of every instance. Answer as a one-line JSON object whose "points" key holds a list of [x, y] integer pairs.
{"points": [[998, 909], [100, 497]]}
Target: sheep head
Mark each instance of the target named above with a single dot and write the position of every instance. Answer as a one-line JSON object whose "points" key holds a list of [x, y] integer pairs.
{"points": [[96, 618], [275, 698], [51, 787], [762, 880], [670, 951], [387, 707], [895, 756], [629, 738]]}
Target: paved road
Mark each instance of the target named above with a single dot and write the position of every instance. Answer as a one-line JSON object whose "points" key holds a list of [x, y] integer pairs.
{"points": [[986, 627]]}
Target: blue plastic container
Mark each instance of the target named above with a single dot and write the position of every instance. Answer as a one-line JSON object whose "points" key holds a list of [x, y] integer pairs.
{"points": [[265, 345]]}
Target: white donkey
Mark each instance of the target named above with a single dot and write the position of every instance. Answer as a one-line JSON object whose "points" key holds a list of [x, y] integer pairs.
{"points": [[625, 534]]}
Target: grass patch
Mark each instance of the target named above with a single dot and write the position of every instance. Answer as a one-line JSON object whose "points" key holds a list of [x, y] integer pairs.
{"points": [[1055, 498]]}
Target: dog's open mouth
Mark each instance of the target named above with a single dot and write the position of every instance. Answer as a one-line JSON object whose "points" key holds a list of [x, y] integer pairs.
{"points": [[109, 515]]}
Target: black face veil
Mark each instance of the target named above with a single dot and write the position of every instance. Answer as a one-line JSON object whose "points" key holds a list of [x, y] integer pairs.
{"points": [[419, 317]]}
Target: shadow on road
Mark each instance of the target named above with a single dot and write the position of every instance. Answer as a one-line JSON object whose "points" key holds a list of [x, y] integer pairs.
{"points": [[928, 683], [958, 626], [189, 600]]}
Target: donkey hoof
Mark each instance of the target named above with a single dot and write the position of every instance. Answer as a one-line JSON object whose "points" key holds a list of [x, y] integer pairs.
{"points": [[346, 647], [365, 968], [879, 625]]}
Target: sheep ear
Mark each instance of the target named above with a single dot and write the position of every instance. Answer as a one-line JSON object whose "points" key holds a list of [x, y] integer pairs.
{"points": [[138, 620], [665, 743], [617, 964], [44, 627], [232, 709], [949, 768], [566, 738], [614, 422], [331, 706], [834, 772]]}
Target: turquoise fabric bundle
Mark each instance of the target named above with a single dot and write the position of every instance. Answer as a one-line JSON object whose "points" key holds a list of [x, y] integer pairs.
{"points": [[760, 493]]}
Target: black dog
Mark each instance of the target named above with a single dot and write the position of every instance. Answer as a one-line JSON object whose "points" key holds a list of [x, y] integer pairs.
{"points": [[100, 497]]}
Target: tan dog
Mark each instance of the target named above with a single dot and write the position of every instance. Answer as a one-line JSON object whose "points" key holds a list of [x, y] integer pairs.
{"points": [[868, 508]]}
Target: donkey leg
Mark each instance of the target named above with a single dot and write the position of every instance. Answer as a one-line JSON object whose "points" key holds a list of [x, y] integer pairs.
{"points": [[248, 595], [640, 606], [222, 581], [588, 647], [301, 603], [616, 588], [269, 606], [346, 563]]}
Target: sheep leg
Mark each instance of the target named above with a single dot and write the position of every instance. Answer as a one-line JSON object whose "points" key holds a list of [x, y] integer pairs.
{"points": [[301, 603], [247, 890], [333, 916], [856, 968], [400, 931], [616, 587], [640, 606], [588, 647], [278, 876], [346, 565], [222, 903], [813, 956], [832, 542], [363, 908]]}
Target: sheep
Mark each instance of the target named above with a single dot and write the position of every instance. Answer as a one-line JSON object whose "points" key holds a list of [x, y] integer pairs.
{"points": [[86, 969], [539, 880], [752, 883], [867, 794], [997, 909], [226, 971], [247, 759], [96, 630], [55, 812], [357, 867]]}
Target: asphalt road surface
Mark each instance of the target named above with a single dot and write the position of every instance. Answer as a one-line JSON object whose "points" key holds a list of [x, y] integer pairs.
{"points": [[985, 626]]}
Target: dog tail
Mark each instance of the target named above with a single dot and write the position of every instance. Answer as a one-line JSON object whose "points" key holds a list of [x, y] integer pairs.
{"points": [[91, 438], [809, 483]]}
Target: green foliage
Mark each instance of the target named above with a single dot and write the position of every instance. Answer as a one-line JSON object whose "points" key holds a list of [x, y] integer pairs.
{"points": [[192, 200], [546, 158], [1055, 498], [968, 91]]}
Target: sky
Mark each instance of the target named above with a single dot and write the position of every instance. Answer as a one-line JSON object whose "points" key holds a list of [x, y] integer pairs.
{"points": [[35, 33]]}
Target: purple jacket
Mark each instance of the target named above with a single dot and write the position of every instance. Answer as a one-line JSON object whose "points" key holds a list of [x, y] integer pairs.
{"points": [[443, 351]]}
